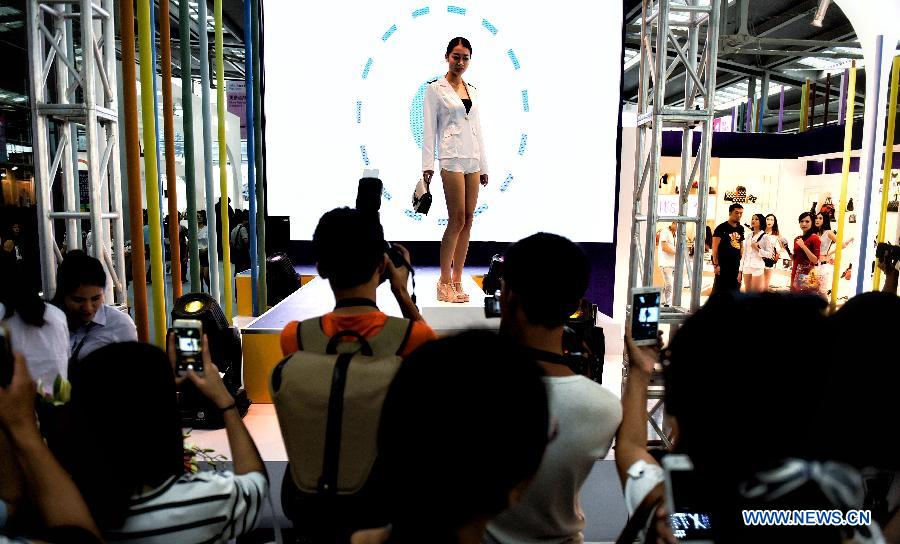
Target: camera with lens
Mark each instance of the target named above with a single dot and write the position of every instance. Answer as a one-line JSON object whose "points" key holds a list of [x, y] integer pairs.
{"points": [[490, 283], [368, 200], [583, 342]]}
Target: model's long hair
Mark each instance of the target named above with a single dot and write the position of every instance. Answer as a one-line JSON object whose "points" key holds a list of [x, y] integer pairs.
{"points": [[826, 223], [774, 224]]}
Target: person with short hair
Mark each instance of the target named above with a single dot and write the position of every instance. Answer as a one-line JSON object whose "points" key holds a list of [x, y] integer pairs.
{"points": [[463, 431], [533, 313], [124, 402], [80, 287], [727, 248], [349, 248]]}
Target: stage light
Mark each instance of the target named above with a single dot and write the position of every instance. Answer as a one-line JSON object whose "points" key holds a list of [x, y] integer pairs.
{"points": [[820, 13], [224, 350]]}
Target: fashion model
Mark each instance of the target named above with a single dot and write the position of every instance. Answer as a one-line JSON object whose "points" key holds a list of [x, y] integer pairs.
{"points": [[804, 276], [827, 249], [452, 118]]}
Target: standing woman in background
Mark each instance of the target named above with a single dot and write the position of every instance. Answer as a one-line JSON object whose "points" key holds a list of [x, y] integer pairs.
{"points": [[452, 117], [828, 238], [752, 265], [804, 276], [773, 243]]}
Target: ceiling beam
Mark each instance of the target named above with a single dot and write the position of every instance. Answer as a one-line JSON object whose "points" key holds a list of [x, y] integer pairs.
{"points": [[786, 18]]}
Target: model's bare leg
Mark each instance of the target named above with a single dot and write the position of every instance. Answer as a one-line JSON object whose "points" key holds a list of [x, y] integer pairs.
{"points": [[455, 195], [462, 243]]}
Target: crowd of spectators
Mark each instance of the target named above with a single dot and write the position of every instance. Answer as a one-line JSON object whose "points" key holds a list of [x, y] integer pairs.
{"points": [[482, 437]]}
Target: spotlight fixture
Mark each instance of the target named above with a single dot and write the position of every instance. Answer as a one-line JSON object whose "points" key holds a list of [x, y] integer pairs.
{"points": [[820, 13], [225, 351]]}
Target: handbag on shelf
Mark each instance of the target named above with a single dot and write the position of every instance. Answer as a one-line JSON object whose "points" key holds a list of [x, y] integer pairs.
{"points": [[421, 198], [827, 208]]}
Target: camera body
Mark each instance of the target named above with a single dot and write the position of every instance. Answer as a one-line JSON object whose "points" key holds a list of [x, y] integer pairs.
{"points": [[583, 342]]}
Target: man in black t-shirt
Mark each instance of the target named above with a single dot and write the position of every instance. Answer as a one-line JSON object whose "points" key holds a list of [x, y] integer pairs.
{"points": [[727, 246]]}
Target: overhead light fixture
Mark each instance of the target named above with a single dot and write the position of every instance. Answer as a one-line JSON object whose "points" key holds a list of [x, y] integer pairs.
{"points": [[14, 168], [820, 13]]}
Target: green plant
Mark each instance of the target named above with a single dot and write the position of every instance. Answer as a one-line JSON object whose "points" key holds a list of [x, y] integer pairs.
{"points": [[194, 455]]}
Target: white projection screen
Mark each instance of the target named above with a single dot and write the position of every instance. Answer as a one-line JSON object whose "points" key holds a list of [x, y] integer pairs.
{"points": [[344, 88]]}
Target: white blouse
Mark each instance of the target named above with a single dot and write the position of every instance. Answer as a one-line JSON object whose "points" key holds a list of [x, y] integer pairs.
{"points": [[752, 257]]}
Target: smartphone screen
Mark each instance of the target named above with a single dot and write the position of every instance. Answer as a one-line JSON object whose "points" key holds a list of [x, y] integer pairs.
{"points": [[645, 316], [690, 519], [189, 348]]}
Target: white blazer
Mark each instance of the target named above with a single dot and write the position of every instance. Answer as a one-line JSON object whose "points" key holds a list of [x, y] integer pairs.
{"points": [[460, 135]]}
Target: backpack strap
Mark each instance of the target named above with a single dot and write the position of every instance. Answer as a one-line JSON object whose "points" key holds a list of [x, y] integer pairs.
{"points": [[310, 336], [393, 337], [334, 426]]}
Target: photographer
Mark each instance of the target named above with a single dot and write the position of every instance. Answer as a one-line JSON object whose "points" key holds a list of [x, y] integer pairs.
{"points": [[739, 431], [349, 252], [887, 257], [349, 249], [533, 311]]}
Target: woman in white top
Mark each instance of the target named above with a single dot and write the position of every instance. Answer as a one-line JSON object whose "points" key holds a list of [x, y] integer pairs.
{"points": [[770, 247], [827, 249], [37, 330], [451, 116], [752, 265]]}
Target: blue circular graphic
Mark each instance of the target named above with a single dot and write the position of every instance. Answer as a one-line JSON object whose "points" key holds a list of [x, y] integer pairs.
{"points": [[416, 113]]}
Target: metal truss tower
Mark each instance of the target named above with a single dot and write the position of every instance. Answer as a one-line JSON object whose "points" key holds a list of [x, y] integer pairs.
{"points": [[671, 33], [72, 56]]}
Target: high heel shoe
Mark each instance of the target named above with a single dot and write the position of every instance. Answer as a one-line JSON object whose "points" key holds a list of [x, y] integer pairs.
{"points": [[458, 288], [446, 293]]}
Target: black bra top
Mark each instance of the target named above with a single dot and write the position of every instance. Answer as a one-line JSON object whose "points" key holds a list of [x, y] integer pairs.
{"points": [[467, 102]]}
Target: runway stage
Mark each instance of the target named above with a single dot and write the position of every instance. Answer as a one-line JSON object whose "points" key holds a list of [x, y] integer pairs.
{"points": [[602, 499]]}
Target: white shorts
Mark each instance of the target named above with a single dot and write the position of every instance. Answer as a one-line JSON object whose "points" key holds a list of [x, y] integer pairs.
{"points": [[465, 166], [749, 271]]}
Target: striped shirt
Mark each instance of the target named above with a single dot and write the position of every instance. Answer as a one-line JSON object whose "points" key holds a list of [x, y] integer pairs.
{"points": [[195, 508]]}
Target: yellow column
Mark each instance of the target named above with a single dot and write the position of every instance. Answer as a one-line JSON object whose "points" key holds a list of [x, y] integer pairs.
{"points": [[804, 106], [145, 34], [888, 161], [228, 294], [845, 175]]}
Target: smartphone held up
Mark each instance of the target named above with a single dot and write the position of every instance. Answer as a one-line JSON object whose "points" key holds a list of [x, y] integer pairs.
{"points": [[645, 315], [188, 346]]}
